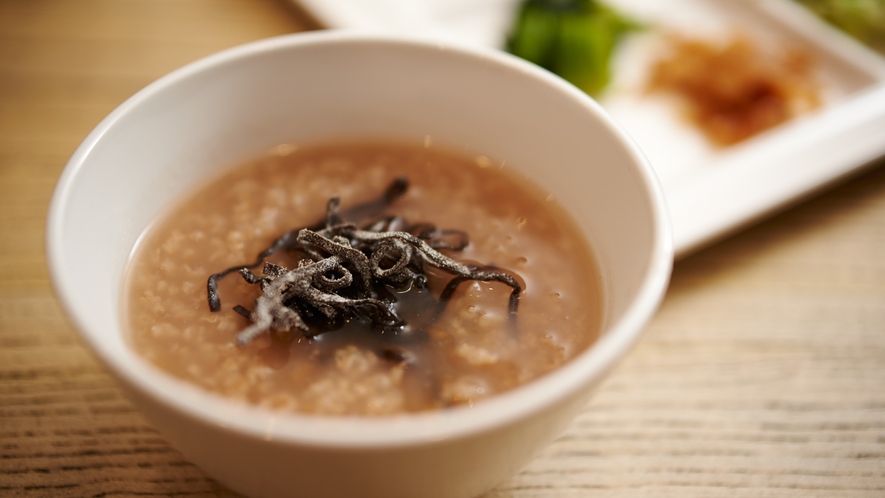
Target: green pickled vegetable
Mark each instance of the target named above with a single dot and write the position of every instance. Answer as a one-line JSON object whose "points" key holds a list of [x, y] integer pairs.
{"points": [[862, 19], [572, 38]]}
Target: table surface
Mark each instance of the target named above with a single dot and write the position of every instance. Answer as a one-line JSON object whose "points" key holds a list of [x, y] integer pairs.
{"points": [[762, 375]]}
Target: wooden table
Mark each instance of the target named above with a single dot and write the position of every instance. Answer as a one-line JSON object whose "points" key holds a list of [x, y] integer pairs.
{"points": [[762, 375]]}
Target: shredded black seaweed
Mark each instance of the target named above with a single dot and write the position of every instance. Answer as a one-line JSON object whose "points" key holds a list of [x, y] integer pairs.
{"points": [[347, 271], [287, 241]]}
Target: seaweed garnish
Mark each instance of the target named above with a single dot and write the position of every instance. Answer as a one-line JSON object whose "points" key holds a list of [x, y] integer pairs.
{"points": [[347, 272]]}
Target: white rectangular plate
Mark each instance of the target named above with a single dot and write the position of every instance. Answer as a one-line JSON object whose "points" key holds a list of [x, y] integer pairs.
{"points": [[711, 191]]}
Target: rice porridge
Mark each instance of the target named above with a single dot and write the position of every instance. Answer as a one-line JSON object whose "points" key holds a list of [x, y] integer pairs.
{"points": [[428, 343]]}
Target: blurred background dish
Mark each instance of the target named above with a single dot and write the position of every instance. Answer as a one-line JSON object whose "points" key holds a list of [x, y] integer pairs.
{"points": [[712, 189]]}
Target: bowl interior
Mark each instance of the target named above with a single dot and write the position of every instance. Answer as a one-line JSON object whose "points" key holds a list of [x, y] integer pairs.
{"points": [[301, 89]]}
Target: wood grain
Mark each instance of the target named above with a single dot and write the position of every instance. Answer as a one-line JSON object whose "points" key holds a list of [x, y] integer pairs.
{"points": [[762, 375]]}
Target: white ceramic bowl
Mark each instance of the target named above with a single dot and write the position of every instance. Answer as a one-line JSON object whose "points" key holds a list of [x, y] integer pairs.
{"points": [[302, 88]]}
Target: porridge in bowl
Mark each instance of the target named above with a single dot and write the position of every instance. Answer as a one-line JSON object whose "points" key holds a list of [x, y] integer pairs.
{"points": [[472, 282], [242, 415]]}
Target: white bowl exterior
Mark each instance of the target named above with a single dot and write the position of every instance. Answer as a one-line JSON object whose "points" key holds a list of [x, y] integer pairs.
{"points": [[306, 88]]}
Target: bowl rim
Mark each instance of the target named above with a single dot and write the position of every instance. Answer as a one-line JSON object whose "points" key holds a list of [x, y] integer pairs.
{"points": [[364, 432]]}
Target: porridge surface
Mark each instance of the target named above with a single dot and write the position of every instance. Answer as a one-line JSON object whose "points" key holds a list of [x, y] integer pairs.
{"points": [[469, 352]]}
